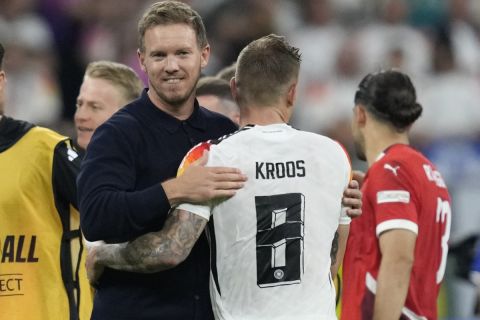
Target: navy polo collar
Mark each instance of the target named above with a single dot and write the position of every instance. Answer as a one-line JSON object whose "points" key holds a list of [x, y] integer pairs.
{"points": [[170, 123]]}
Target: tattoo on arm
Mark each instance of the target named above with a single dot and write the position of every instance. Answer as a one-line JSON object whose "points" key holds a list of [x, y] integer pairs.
{"points": [[156, 251], [334, 250]]}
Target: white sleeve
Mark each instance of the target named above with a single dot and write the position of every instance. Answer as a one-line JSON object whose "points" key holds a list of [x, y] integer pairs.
{"points": [[344, 218], [201, 210]]}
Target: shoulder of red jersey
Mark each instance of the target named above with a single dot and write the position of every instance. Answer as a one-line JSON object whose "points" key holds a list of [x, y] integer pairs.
{"points": [[405, 161]]}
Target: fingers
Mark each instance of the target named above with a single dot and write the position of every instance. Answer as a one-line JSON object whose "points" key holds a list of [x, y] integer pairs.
{"points": [[354, 213], [225, 189], [353, 184], [352, 199], [215, 170], [224, 194], [227, 170], [228, 185], [359, 176], [353, 203], [352, 194], [229, 180]]}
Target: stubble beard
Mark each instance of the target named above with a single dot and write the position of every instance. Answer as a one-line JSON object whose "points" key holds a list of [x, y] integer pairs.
{"points": [[175, 100]]}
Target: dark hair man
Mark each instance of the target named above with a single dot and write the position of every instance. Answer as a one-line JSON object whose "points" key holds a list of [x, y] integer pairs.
{"points": [[126, 187], [396, 252]]}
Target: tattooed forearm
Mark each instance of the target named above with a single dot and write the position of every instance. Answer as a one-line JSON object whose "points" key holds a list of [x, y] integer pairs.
{"points": [[334, 250], [156, 251]]}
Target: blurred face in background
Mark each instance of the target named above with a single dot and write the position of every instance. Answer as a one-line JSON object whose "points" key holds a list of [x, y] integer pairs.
{"points": [[223, 106], [97, 101], [173, 61]]}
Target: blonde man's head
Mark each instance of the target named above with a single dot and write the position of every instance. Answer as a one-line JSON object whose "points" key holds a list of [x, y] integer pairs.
{"points": [[265, 69], [121, 76], [107, 86]]}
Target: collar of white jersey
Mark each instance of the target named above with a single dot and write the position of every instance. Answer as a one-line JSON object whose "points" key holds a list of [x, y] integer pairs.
{"points": [[281, 125]]}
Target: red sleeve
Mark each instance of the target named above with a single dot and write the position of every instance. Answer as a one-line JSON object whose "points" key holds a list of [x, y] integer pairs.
{"points": [[391, 193]]}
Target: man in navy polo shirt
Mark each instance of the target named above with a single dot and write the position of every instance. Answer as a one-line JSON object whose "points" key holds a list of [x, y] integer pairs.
{"points": [[125, 185]]}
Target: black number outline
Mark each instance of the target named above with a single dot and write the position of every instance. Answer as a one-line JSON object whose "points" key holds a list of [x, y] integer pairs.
{"points": [[271, 236]]}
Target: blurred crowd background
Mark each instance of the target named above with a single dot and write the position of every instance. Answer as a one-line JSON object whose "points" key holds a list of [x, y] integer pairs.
{"points": [[49, 43]]}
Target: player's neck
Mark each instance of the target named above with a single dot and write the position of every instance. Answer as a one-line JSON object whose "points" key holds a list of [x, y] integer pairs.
{"points": [[380, 138], [263, 116]]}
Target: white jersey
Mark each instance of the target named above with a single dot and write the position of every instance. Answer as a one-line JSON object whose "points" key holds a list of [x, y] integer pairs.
{"points": [[271, 242]]}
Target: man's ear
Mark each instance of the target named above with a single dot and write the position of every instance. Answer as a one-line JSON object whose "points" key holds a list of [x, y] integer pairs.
{"points": [[141, 60], [292, 94], [205, 56], [360, 115], [3, 80], [234, 88]]}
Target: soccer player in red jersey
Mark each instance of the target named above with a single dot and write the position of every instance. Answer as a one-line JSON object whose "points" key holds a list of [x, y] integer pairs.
{"points": [[397, 250]]}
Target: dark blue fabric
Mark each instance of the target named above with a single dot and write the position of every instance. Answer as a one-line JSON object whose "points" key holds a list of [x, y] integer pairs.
{"points": [[121, 197], [476, 260]]}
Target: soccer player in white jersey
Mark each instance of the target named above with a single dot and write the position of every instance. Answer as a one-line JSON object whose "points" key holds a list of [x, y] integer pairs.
{"points": [[271, 243]]}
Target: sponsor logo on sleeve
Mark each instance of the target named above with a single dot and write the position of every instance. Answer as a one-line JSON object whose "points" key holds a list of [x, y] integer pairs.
{"points": [[393, 196]]}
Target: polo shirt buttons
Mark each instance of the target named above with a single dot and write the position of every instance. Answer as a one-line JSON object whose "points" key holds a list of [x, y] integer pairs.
{"points": [[196, 297]]}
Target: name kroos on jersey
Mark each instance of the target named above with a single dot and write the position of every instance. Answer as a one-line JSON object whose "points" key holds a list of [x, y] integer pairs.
{"points": [[279, 170]]}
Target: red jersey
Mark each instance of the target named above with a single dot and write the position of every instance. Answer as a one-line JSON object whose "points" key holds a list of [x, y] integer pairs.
{"points": [[401, 190]]}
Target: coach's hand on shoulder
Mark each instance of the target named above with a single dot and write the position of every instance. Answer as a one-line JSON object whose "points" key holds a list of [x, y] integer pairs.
{"points": [[199, 183], [352, 199]]}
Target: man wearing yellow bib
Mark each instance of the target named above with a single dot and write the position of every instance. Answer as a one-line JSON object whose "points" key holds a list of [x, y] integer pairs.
{"points": [[42, 274]]}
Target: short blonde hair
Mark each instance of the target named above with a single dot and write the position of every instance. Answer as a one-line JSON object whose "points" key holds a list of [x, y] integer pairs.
{"points": [[265, 68], [171, 12], [120, 75]]}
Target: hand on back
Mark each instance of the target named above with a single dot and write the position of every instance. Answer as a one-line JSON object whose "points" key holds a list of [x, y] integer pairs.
{"points": [[199, 183]]}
